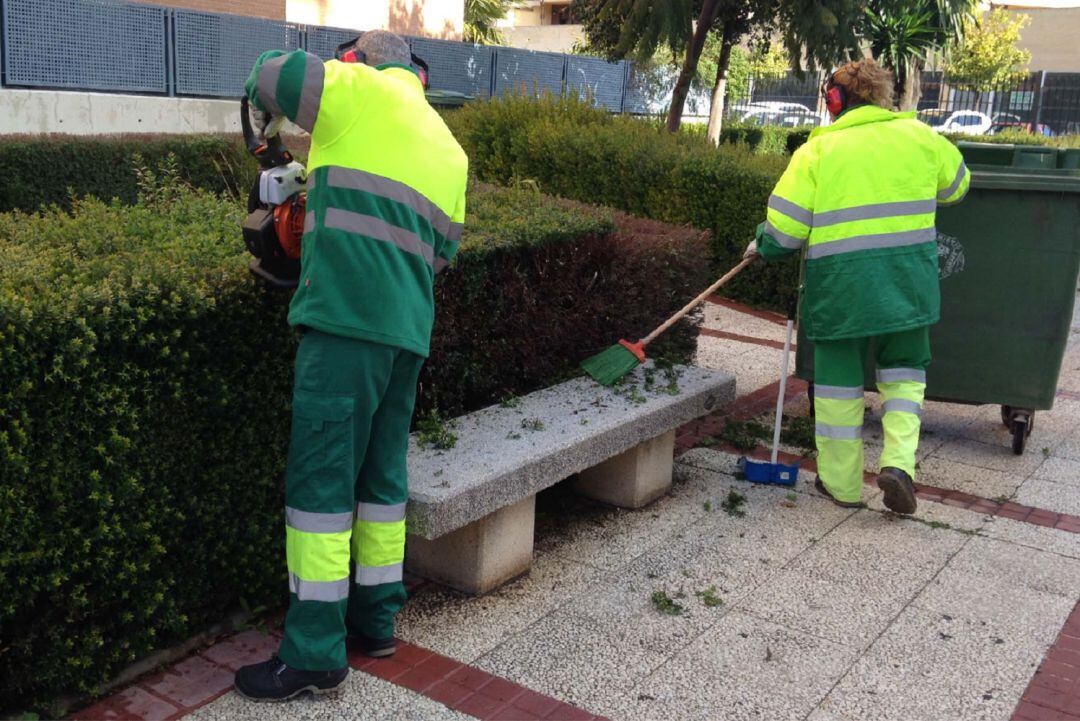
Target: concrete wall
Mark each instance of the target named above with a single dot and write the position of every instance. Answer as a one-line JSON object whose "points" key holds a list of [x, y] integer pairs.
{"points": [[1053, 37], [429, 18], [46, 111], [273, 9], [552, 38]]}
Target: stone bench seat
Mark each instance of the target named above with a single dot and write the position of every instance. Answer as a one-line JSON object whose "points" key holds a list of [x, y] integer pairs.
{"points": [[471, 507]]}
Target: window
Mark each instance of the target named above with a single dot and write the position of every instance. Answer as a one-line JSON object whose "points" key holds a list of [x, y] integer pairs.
{"points": [[563, 15]]}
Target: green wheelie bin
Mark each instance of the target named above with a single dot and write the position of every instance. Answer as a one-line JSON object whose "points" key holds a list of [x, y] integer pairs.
{"points": [[1009, 255]]}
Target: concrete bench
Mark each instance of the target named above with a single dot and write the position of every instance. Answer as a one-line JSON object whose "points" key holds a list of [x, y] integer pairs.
{"points": [[471, 507]]}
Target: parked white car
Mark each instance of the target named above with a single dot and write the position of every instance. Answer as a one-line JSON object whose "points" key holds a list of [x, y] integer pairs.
{"points": [[788, 115], [969, 122]]}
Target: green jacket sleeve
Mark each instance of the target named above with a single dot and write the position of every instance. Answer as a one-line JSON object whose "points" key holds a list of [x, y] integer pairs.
{"points": [[289, 84], [953, 176]]}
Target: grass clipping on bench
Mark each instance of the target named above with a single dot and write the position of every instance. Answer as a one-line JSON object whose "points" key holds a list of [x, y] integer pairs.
{"points": [[608, 366]]}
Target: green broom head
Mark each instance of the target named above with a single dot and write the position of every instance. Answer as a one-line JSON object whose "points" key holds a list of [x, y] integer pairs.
{"points": [[612, 364]]}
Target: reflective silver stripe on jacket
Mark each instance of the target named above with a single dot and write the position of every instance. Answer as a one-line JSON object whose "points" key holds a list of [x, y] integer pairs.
{"points": [[309, 221], [326, 591], [838, 393], [372, 227], [899, 375], [376, 575], [454, 234], [377, 513], [307, 112], [902, 405], [791, 210], [961, 171], [838, 433], [788, 241], [874, 211], [871, 242], [266, 83], [318, 522], [440, 264], [353, 179]]}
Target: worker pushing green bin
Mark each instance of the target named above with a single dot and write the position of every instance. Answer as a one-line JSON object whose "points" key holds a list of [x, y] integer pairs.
{"points": [[1009, 256]]}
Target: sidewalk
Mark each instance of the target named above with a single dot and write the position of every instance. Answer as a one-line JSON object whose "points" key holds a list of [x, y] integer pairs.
{"points": [[777, 606]]}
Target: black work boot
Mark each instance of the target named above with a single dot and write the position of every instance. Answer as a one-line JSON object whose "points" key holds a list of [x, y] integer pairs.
{"points": [[274, 681], [376, 647], [898, 489], [821, 488]]}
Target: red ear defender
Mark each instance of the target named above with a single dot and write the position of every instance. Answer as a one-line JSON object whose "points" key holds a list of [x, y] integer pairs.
{"points": [[835, 100], [349, 57]]}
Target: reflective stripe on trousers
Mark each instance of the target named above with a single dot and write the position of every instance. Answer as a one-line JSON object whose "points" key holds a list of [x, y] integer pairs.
{"points": [[903, 391], [839, 415]]}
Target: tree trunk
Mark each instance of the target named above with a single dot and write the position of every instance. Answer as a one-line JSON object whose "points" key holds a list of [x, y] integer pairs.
{"points": [[705, 22], [912, 89], [719, 94]]}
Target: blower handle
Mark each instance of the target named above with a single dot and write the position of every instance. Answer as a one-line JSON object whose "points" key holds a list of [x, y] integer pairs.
{"points": [[269, 151], [690, 306]]}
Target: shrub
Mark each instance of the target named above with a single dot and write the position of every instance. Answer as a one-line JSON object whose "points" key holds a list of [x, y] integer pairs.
{"points": [[637, 167], [46, 170], [145, 382]]}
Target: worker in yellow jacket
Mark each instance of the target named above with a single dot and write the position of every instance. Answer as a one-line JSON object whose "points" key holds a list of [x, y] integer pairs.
{"points": [[859, 201], [385, 208]]}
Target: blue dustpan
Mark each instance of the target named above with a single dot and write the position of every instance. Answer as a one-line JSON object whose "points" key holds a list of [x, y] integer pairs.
{"points": [[773, 472], [780, 474]]}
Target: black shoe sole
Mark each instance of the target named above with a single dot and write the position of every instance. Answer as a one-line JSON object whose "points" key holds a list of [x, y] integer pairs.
{"points": [[379, 652], [819, 486], [899, 495], [315, 690]]}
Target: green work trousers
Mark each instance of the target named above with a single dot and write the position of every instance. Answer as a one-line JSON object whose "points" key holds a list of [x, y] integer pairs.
{"points": [[345, 494], [902, 360]]}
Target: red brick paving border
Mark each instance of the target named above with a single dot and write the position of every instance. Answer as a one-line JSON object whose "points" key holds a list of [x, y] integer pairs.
{"points": [[465, 688], [712, 333], [208, 675], [1054, 690], [747, 310]]}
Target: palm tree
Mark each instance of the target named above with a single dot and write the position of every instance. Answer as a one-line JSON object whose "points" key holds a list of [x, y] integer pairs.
{"points": [[902, 34], [480, 19]]}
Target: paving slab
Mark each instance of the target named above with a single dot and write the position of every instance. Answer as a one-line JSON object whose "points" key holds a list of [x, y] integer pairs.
{"points": [[1010, 565], [1051, 495], [927, 667], [743, 668], [943, 472], [719, 317], [588, 532], [464, 628], [1052, 540], [991, 456], [503, 455]]}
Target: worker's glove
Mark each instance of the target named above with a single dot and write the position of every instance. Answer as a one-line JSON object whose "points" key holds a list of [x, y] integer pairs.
{"points": [[751, 250], [259, 120]]}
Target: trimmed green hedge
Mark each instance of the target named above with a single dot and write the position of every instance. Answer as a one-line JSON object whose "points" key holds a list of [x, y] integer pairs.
{"points": [[43, 170], [574, 151], [145, 383]]}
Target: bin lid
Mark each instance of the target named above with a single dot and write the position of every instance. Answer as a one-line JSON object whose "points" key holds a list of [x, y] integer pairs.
{"points": [[1007, 166], [447, 98]]}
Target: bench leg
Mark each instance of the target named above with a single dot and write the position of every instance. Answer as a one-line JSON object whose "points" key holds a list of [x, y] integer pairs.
{"points": [[633, 478], [481, 556]]}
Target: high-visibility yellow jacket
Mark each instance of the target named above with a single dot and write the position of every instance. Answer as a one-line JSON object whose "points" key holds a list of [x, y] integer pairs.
{"points": [[859, 200], [386, 195]]}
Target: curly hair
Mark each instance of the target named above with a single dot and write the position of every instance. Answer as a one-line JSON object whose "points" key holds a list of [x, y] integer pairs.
{"points": [[867, 82]]}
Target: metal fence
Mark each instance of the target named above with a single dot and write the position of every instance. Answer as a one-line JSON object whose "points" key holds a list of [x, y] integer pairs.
{"points": [[110, 46], [1043, 102]]}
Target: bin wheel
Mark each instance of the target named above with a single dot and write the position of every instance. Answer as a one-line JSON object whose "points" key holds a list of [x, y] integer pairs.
{"points": [[1021, 429], [1006, 416]]}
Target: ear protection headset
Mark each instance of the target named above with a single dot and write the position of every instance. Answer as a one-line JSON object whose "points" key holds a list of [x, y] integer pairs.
{"points": [[347, 53], [836, 100]]}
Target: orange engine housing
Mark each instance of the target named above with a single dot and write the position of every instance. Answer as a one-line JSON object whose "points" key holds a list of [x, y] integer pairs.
{"points": [[289, 224]]}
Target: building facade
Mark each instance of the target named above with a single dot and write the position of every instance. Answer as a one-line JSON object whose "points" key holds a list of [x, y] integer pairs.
{"points": [[542, 25]]}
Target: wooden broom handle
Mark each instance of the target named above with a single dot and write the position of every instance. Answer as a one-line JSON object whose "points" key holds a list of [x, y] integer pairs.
{"points": [[690, 306]]}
